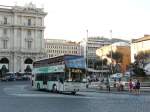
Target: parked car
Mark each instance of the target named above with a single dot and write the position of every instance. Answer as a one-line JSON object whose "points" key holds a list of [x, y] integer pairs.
{"points": [[114, 81], [23, 76], [8, 77]]}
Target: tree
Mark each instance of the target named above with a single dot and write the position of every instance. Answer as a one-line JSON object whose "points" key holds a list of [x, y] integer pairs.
{"points": [[105, 61], [139, 72], [28, 69], [140, 61], [4, 70], [118, 57]]}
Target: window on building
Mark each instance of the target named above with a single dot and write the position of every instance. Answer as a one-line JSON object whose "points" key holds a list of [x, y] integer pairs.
{"points": [[40, 35], [5, 31], [29, 44], [29, 32], [5, 20], [29, 22], [5, 44]]}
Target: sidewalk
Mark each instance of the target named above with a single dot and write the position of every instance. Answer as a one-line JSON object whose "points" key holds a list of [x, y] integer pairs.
{"points": [[143, 90]]}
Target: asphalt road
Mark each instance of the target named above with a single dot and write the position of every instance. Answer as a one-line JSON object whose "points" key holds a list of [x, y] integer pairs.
{"points": [[20, 97]]}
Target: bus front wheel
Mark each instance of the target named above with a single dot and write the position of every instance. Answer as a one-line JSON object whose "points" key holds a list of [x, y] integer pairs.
{"points": [[73, 92], [54, 88]]}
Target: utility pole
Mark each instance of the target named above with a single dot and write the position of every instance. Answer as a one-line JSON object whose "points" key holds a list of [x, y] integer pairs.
{"points": [[87, 52], [111, 49], [102, 62], [111, 63]]}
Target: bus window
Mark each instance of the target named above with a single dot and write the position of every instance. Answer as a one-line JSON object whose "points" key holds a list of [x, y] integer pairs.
{"points": [[54, 78], [76, 77]]}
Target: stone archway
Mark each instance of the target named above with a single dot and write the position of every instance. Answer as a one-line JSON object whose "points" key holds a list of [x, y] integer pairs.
{"points": [[28, 61], [4, 66], [28, 65]]}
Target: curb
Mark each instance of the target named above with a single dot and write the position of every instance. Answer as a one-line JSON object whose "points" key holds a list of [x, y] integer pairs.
{"points": [[142, 92]]}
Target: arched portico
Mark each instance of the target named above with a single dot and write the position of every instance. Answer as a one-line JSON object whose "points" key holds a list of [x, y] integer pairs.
{"points": [[28, 65], [4, 66]]}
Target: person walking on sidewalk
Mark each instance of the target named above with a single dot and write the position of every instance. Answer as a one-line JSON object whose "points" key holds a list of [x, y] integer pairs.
{"points": [[130, 85], [134, 86], [138, 87], [120, 86], [108, 84]]}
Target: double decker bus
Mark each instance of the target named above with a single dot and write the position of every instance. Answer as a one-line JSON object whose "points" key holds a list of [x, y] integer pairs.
{"points": [[60, 74]]}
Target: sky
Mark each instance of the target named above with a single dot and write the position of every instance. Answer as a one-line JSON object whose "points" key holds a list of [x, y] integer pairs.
{"points": [[70, 19]]}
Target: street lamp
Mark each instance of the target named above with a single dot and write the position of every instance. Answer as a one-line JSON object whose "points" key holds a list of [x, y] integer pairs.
{"points": [[111, 50], [111, 62], [102, 61], [86, 52]]}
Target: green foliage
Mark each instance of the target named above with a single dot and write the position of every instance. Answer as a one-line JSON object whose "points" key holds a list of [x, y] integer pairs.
{"points": [[118, 56], [142, 55], [4, 70], [139, 72], [139, 58], [28, 69]]}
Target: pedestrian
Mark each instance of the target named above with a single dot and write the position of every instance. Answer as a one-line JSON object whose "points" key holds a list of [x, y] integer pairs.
{"points": [[118, 86], [138, 87], [134, 86], [130, 86], [108, 84], [114, 83]]}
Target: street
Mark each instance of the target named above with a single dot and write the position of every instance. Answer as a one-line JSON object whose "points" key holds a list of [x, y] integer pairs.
{"points": [[20, 97]]}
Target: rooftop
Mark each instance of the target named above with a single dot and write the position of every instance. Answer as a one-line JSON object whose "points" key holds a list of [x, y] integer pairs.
{"points": [[145, 38]]}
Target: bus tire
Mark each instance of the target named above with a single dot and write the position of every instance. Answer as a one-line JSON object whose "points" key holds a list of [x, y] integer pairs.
{"points": [[38, 86], [73, 92], [54, 88], [32, 83]]}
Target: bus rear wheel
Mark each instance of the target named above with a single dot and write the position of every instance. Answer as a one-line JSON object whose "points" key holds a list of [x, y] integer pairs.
{"points": [[38, 86]]}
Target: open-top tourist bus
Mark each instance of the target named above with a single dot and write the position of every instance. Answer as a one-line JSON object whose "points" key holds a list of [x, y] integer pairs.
{"points": [[60, 74]]}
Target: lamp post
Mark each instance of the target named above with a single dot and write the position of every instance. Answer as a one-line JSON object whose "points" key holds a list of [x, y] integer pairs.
{"points": [[111, 50], [102, 61], [111, 63], [86, 52]]}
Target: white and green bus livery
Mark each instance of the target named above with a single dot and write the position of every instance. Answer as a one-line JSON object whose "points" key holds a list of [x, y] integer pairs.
{"points": [[60, 74]]}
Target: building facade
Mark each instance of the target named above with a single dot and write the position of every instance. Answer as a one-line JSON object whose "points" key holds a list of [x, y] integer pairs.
{"points": [[21, 36], [121, 47], [92, 44], [138, 45], [57, 47], [141, 45]]}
